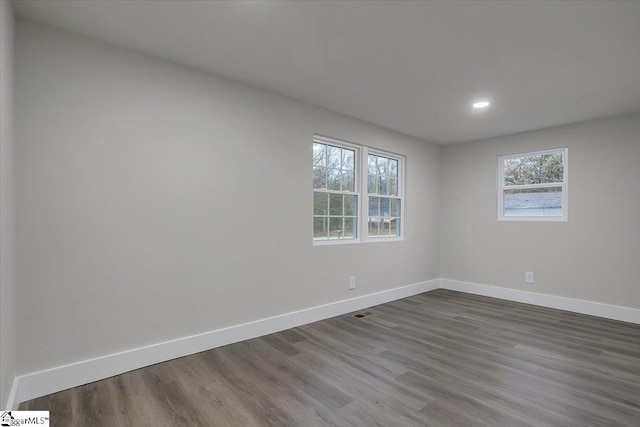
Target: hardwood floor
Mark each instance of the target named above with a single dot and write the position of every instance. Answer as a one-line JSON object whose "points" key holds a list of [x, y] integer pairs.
{"points": [[442, 358]]}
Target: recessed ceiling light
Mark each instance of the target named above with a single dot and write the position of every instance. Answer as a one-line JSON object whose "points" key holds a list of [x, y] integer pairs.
{"points": [[480, 104]]}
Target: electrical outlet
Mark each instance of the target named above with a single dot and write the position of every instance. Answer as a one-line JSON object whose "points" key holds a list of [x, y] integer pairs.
{"points": [[352, 283], [528, 277]]}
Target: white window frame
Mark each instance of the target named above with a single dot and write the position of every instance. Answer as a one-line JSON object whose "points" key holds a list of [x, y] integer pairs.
{"points": [[361, 191], [357, 187], [564, 184], [365, 191]]}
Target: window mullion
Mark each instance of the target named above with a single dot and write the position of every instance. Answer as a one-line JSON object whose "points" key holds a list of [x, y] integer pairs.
{"points": [[324, 190]]}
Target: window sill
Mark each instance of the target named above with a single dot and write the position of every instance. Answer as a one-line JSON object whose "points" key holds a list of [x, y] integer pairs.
{"points": [[335, 242], [350, 242], [533, 219], [384, 239]]}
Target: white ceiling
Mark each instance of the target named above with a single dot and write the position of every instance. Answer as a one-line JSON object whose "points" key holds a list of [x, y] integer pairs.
{"points": [[414, 67]]}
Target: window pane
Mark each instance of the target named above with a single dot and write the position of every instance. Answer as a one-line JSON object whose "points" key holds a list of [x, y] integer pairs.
{"points": [[320, 204], [382, 185], [372, 188], [540, 169], [350, 205], [333, 179], [374, 206], [533, 202], [349, 228], [319, 154], [384, 226], [335, 228], [348, 157], [373, 161], [373, 227], [319, 178], [334, 155], [395, 207], [320, 229], [335, 204], [394, 227], [348, 183], [382, 166], [385, 206], [393, 186], [393, 167]]}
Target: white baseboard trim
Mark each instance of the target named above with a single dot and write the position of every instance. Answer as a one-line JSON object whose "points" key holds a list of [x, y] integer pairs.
{"points": [[615, 312], [11, 401], [41, 383], [60, 378]]}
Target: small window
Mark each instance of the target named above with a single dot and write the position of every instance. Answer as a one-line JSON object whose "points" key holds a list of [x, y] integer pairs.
{"points": [[533, 186], [384, 194]]}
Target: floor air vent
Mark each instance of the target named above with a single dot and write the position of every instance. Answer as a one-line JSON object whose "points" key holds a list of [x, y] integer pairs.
{"points": [[361, 315]]}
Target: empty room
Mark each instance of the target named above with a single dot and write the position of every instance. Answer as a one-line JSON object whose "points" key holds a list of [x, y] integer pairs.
{"points": [[319, 213]]}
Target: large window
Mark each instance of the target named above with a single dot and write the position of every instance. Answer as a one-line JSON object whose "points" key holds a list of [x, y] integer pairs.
{"points": [[335, 195], [357, 193], [533, 186]]}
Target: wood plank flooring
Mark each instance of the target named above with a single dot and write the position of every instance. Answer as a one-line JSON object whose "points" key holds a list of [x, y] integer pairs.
{"points": [[441, 358]]}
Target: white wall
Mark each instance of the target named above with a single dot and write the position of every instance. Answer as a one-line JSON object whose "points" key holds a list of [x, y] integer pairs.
{"points": [[157, 201], [594, 256], [7, 258]]}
